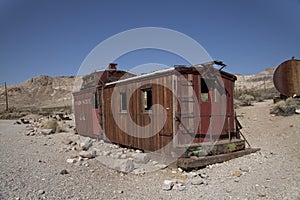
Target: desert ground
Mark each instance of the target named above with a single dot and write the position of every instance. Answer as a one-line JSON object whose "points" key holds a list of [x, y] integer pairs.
{"points": [[36, 167]]}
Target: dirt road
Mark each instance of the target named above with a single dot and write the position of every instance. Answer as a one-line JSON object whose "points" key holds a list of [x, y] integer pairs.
{"points": [[31, 166]]}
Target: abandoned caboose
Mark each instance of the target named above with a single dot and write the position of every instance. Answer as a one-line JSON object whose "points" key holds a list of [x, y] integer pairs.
{"points": [[180, 112]]}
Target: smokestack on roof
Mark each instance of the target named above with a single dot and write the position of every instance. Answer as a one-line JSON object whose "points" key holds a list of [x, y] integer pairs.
{"points": [[112, 66]]}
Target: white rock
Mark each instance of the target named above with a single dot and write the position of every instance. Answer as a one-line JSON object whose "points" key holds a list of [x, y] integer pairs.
{"points": [[191, 174], [180, 170], [71, 161], [197, 181], [47, 131], [115, 156], [123, 156], [168, 184], [245, 169], [40, 192], [161, 166], [86, 144], [124, 165], [154, 162], [179, 186], [140, 157], [106, 153], [87, 154], [203, 175]]}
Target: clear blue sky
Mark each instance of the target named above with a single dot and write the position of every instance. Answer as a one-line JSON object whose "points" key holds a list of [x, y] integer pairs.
{"points": [[52, 37]]}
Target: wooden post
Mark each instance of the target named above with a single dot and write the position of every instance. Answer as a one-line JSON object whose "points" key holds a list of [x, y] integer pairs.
{"points": [[6, 96], [210, 129], [228, 124]]}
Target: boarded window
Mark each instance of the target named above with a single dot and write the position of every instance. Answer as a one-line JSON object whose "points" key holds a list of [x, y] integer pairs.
{"points": [[147, 98], [123, 101], [204, 91]]}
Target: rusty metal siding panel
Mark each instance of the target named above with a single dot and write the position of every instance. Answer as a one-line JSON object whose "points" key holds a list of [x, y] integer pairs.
{"points": [[86, 119], [286, 78]]}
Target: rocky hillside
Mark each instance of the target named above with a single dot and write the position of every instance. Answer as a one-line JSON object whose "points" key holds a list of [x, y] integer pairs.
{"points": [[40, 92], [48, 92], [262, 80]]}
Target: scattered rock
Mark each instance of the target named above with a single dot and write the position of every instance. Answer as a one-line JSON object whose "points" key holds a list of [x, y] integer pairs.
{"points": [[191, 174], [140, 157], [71, 161], [197, 181], [67, 141], [115, 156], [203, 175], [86, 164], [86, 144], [237, 173], [25, 121], [167, 185], [297, 111], [28, 133], [180, 170], [139, 171], [47, 131], [245, 169], [41, 192], [261, 194], [123, 156], [161, 166], [236, 180], [17, 122], [138, 151], [87, 154], [154, 162], [106, 153], [179, 186], [63, 172], [124, 165]]}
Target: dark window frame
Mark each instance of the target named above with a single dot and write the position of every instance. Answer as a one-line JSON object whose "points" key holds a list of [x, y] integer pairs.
{"points": [[123, 102], [204, 91], [95, 100], [147, 99]]}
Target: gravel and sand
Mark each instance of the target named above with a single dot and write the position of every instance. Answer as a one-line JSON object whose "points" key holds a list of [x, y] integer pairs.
{"points": [[36, 167]]}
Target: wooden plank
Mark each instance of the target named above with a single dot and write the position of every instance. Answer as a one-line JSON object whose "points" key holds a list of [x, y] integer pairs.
{"points": [[193, 163]]}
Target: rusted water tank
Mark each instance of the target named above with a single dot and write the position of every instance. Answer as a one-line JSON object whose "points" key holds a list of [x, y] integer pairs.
{"points": [[286, 78]]}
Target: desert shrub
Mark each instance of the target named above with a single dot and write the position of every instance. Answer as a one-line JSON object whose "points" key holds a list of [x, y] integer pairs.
{"points": [[59, 129], [12, 113], [51, 124], [258, 94], [286, 108], [246, 100]]}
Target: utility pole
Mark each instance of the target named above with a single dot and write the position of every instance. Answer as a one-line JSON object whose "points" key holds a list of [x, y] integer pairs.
{"points": [[6, 96]]}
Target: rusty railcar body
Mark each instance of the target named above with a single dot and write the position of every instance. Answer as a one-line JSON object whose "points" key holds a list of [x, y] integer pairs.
{"points": [[180, 111]]}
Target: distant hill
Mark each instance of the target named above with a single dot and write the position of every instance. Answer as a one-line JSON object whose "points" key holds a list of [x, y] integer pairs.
{"points": [[38, 92], [49, 92], [262, 80]]}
